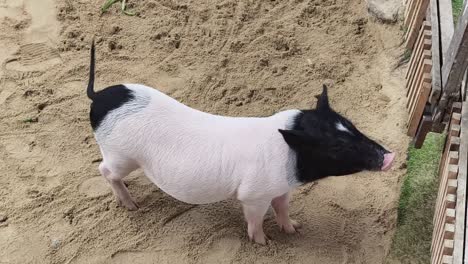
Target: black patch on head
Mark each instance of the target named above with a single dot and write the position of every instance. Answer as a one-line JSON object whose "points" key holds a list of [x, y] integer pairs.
{"points": [[107, 100], [323, 150]]}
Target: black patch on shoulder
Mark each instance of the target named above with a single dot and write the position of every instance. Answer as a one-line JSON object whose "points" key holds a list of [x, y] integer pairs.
{"points": [[107, 100], [305, 171]]}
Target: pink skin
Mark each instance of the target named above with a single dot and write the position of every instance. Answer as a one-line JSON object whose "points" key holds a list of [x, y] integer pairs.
{"points": [[255, 212], [388, 160], [281, 206], [119, 189]]}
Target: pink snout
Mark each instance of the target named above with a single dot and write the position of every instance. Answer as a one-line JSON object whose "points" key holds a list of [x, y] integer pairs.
{"points": [[388, 160]]}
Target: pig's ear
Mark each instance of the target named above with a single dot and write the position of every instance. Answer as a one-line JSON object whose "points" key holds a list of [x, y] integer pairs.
{"points": [[322, 102], [295, 138]]}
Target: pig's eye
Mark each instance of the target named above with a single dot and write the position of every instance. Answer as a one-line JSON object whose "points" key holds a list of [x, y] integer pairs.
{"points": [[341, 127]]}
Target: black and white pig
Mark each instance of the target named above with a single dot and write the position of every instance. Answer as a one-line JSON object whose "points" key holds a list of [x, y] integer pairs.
{"points": [[200, 158]]}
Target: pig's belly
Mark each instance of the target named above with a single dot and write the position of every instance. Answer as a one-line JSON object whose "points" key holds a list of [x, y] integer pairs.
{"points": [[194, 189]]}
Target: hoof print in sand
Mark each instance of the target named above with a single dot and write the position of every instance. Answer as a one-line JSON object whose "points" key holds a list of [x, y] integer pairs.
{"points": [[33, 57], [223, 250], [94, 187]]}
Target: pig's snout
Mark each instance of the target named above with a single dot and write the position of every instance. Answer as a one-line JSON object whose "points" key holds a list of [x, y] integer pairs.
{"points": [[388, 160]]}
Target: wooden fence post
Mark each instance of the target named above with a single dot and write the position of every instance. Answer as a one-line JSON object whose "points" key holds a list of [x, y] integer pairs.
{"points": [[433, 17], [446, 24], [455, 64]]}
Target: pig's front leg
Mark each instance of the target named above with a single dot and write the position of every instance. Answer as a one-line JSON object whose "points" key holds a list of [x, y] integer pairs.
{"points": [[254, 213], [281, 206]]}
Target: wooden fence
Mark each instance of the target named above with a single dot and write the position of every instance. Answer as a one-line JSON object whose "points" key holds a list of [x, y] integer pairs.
{"points": [[427, 41], [449, 227], [436, 91]]}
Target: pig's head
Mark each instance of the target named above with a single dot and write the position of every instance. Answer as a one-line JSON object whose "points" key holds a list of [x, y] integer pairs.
{"points": [[328, 144]]}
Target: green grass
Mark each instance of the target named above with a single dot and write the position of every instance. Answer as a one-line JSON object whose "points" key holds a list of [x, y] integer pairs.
{"points": [[412, 240], [109, 3], [457, 7], [30, 120], [406, 56]]}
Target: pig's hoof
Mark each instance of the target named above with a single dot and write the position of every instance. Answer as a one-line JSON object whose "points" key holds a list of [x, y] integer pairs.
{"points": [[291, 227], [129, 204], [296, 224], [132, 205], [260, 239]]}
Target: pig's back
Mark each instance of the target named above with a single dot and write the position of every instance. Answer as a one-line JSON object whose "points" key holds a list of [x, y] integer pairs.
{"points": [[198, 157]]}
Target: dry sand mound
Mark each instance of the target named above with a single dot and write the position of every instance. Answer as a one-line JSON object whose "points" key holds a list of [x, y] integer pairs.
{"points": [[240, 58]]}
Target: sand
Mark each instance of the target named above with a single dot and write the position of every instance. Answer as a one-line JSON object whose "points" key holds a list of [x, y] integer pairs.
{"points": [[225, 57]]}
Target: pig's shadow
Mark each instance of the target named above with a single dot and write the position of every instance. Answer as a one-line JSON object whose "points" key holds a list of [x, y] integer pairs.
{"points": [[206, 219]]}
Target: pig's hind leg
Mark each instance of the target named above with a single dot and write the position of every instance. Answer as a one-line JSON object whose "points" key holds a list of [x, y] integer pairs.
{"points": [[281, 206], [114, 170]]}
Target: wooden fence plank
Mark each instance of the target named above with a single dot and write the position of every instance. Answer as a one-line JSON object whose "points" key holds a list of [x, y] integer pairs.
{"points": [[435, 49], [442, 229], [422, 45], [451, 200], [450, 216], [414, 26], [449, 231], [460, 211], [446, 193], [423, 67], [424, 40], [448, 247], [410, 12], [455, 61], [446, 233], [456, 118], [452, 185], [447, 169], [420, 56], [463, 88], [447, 260], [446, 24], [424, 128], [410, 22], [417, 91], [451, 142], [455, 130], [418, 111]]}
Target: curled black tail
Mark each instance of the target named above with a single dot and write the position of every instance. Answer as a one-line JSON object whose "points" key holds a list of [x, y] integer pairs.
{"points": [[90, 91]]}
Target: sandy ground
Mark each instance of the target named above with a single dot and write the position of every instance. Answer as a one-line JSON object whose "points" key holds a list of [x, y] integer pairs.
{"points": [[225, 57]]}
